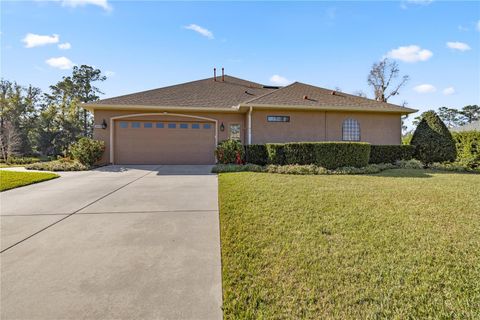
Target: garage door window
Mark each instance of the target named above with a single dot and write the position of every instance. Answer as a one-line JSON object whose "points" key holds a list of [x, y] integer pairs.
{"points": [[148, 125], [123, 124], [183, 125], [135, 124], [195, 126], [172, 125], [207, 126], [159, 125]]}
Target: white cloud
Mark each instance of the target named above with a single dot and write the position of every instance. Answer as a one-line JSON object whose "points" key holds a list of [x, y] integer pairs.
{"points": [[109, 73], [425, 88], [32, 40], [64, 46], [279, 80], [449, 91], [461, 46], [80, 3], [60, 63], [204, 32], [410, 53]]}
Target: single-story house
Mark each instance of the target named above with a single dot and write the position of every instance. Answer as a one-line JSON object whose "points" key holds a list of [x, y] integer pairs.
{"points": [[182, 124]]}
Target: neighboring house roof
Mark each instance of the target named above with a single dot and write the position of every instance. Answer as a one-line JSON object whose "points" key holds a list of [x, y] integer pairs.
{"points": [[233, 93], [472, 126]]}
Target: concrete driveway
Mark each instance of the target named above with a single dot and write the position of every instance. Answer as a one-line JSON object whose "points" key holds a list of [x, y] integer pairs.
{"points": [[136, 242]]}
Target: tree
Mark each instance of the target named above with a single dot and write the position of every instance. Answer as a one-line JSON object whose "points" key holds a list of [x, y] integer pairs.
{"points": [[450, 116], [470, 113], [382, 77], [433, 140]]}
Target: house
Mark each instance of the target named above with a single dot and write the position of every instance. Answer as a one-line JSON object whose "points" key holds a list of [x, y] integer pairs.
{"points": [[472, 126], [182, 124]]}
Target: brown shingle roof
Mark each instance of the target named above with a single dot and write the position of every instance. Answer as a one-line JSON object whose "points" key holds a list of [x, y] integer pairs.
{"points": [[234, 92], [200, 93], [301, 94]]}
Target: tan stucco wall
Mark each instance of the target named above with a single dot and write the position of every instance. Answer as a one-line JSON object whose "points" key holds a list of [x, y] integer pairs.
{"points": [[375, 128], [225, 118]]}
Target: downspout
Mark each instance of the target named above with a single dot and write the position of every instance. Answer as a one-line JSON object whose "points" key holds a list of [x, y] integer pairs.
{"points": [[249, 140]]}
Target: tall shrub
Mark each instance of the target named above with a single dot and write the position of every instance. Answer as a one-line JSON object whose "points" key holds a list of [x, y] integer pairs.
{"points": [[276, 153], [432, 140], [229, 151], [87, 151], [391, 153], [256, 154], [330, 155], [468, 147]]}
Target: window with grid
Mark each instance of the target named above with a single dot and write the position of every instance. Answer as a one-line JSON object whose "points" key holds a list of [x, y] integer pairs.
{"points": [[351, 130]]}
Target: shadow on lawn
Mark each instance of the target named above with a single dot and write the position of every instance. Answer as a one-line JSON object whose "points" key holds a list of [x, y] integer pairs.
{"points": [[403, 173]]}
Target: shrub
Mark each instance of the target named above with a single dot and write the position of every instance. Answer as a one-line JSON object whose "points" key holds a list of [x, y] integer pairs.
{"points": [[468, 148], [276, 153], [229, 151], [453, 166], [329, 155], [256, 153], [219, 168], [22, 160], [432, 140], [391, 153], [409, 164], [58, 165], [87, 151]]}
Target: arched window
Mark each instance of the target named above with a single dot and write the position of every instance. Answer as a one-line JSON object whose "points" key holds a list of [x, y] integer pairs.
{"points": [[351, 130]]}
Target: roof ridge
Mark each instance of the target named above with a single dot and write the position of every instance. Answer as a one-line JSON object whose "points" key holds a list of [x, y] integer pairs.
{"points": [[268, 93]]}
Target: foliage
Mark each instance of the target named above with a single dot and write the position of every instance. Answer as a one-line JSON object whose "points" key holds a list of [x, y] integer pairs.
{"points": [[454, 166], [64, 164], [229, 151], [329, 155], [407, 138], [87, 151], [400, 244], [433, 141], [256, 153], [219, 168], [14, 179], [409, 164], [390, 153], [276, 153], [455, 118], [22, 160], [380, 79], [468, 147]]}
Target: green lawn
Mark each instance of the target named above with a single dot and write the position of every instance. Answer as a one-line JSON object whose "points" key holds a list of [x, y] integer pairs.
{"points": [[14, 179], [401, 244]]}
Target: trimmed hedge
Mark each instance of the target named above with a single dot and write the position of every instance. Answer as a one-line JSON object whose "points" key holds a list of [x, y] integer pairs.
{"points": [[276, 153], [391, 153], [256, 154], [229, 151], [87, 151], [329, 155]]}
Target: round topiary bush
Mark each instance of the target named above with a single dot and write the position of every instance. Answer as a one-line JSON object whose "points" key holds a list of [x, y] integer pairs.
{"points": [[432, 140], [87, 151]]}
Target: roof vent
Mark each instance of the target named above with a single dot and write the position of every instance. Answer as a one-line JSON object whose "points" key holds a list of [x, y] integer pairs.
{"points": [[305, 97], [223, 74], [333, 93], [214, 74]]}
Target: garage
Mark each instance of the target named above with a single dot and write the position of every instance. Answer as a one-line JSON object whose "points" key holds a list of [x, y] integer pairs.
{"points": [[164, 142]]}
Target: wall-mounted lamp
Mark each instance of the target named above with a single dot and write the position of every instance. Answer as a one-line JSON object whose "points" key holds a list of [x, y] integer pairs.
{"points": [[222, 127], [104, 124]]}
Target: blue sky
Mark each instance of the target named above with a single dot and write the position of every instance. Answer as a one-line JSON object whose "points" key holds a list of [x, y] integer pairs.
{"points": [[144, 45]]}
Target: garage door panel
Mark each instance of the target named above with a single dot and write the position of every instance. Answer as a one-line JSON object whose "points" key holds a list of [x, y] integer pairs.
{"points": [[164, 145]]}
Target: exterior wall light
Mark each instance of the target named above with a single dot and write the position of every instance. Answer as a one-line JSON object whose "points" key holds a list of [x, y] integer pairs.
{"points": [[104, 124], [222, 127]]}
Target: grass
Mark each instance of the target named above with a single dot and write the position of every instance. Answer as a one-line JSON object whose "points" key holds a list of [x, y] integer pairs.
{"points": [[14, 179], [401, 244]]}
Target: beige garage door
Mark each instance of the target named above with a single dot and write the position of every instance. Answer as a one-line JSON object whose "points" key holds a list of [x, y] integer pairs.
{"points": [[163, 142]]}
